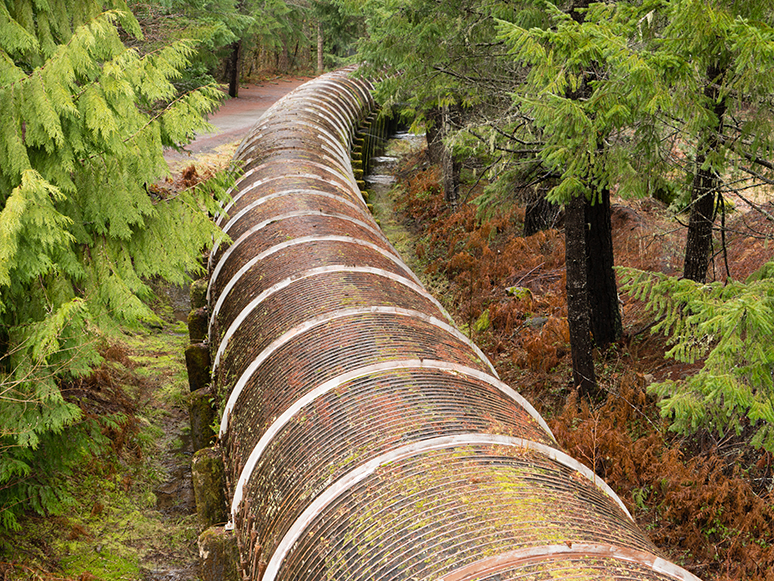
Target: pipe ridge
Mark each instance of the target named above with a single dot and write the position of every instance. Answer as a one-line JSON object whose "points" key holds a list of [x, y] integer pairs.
{"points": [[403, 452], [326, 318], [387, 253], [500, 562], [393, 365], [256, 302], [289, 215]]}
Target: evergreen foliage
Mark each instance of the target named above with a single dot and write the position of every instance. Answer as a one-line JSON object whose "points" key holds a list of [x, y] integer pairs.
{"points": [[342, 26], [729, 327], [582, 92], [84, 121]]}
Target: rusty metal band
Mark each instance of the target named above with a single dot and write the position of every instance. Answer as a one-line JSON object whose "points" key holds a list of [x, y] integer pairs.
{"points": [[318, 109], [256, 203], [330, 143], [343, 99], [340, 144], [497, 563], [345, 94], [255, 303], [248, 233], [397, 365], [330, 139], [339, 172], [325, 154], [346, 186], [253, 205], [344, 112], [318, 505], [327, 318], [339, 149], [223, 215], [307, 240]]}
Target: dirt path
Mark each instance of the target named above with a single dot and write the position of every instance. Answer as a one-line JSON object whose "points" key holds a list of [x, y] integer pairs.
{"points": [[234, 120]]}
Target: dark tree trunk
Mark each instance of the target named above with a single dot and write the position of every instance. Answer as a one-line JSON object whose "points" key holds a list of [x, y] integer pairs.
{"points": [[451, 178], [704, 188], [433, 134], [578, 319], [540, 214], [233, 69], [603, 292], [450, 165], [699, 241], [439, 122]]}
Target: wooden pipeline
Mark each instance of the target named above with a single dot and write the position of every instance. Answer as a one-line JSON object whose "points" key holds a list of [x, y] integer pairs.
{"points": [[364, 436]]}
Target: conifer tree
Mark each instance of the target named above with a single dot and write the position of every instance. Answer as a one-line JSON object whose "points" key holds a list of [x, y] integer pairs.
{"points": [[83, 123], [729, 326], [576, 98], [717, 58]]}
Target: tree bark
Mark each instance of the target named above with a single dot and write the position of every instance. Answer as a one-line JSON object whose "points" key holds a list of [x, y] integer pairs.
{"points": [[433, 134], [320, 45], [581, 346], [439, 123], [704, 187], [604, 309], [233, 69], [450, 165], [540, 214], [451, 178]]}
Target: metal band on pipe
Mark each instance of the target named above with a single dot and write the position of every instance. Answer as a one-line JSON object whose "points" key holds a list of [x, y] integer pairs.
{"points": [[328, 317], [318, 505], [495, 564], [397, 365], [252, 305], [297, 214]]}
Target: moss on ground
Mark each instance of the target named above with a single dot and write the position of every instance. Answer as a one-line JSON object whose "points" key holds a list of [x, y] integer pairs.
{"points": [[127, 516]]}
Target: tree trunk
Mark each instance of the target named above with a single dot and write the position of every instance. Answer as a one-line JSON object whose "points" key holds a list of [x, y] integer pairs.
{"points": [[704, 188], [433, 134], [584, 378], [450, 166], [439, 122], [233, 69], [699, 241], [320, 44], [602, 289], [451, 178], [540, 214]]}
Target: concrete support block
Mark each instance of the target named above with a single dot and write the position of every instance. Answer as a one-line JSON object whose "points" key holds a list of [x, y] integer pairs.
{"points": [[197, 361], [201, 414], [209, 487], [198, 323], [198, 293], [218, 555]]}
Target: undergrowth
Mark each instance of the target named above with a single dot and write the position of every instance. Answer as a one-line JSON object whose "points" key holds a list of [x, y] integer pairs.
{"points": [[114, 525], [707, 503]]}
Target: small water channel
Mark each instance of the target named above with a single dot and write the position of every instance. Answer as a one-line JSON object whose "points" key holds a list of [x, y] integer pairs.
{"points": [[380, 182]]}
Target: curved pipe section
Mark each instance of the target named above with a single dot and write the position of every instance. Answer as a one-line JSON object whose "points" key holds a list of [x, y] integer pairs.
{"points": [[364, 436]]}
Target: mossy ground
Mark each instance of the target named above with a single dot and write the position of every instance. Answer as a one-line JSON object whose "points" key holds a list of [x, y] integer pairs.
{"points": [[130, 513]]}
